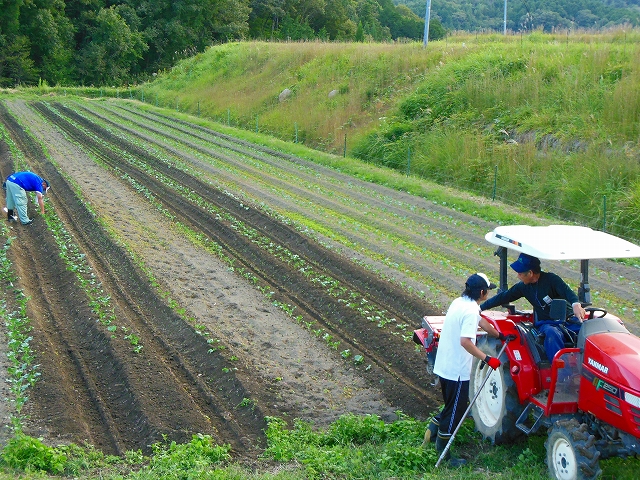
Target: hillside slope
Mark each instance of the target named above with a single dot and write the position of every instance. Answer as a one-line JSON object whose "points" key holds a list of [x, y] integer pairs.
{"points": [[522, 117]]}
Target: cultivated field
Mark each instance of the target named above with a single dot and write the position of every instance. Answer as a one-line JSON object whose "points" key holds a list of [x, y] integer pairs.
{"points": [[183, 281]]}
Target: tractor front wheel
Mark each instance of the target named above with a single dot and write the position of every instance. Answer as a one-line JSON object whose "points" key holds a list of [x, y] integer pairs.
{"points": [[571, 452], [497, 407]]}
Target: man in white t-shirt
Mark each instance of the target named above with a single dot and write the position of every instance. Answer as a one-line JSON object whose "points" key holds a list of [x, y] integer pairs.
{"points": [[456, 349]]}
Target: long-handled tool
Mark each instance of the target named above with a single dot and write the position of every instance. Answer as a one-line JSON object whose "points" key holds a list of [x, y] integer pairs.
{"points": [[448, 446]]}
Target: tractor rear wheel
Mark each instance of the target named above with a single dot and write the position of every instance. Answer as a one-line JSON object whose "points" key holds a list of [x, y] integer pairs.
{"points": [[571, 452], [497, 408]]}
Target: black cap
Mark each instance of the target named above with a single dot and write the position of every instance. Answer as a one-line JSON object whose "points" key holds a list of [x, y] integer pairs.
{"points": [[479, 281]]}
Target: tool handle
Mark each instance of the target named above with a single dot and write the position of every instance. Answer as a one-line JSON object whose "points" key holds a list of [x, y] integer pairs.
{"points": [[448, 446]]}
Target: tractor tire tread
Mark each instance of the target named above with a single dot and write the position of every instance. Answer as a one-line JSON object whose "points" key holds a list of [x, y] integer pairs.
{"points": [[583, 444]]}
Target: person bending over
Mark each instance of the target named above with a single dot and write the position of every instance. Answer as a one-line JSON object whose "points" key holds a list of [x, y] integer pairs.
{"points": [[17, 186]]}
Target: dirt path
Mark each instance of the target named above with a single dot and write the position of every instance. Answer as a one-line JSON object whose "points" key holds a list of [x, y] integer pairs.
{"points": [[245, 315]]}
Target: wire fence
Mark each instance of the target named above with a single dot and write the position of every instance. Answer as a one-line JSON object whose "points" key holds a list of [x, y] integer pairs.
{"points": [[601, 221]]}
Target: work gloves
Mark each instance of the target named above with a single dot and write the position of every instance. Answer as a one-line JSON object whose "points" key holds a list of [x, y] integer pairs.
{"points": [[506, 338], [493, 362]]}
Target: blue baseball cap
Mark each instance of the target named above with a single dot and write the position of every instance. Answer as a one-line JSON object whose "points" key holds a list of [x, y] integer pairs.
{"points": [[525, 262]]}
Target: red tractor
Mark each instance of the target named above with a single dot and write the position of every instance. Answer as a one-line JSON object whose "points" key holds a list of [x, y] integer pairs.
{"points": [[588, 395]]}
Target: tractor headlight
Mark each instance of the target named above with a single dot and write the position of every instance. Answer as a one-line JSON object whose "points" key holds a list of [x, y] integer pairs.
{"points": [[632, 399]]}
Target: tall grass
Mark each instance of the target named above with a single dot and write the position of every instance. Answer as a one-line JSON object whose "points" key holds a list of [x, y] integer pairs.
{"points": [[554, 124], [244, 80]]}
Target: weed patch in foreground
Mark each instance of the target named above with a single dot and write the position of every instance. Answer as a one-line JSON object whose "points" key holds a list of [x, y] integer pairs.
{"points": [[367, 447], [353, 447]]}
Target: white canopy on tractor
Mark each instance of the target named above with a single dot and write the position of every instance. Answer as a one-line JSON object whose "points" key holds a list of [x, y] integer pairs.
{"points": [[560, 242]]}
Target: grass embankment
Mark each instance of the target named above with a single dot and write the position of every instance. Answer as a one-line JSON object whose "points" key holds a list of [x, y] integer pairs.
{"points": [[550, 120]]}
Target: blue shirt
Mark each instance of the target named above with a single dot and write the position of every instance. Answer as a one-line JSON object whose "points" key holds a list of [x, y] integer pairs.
{"points": [[29, 181]]}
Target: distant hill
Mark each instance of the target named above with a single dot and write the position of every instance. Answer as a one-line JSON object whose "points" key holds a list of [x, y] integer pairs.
{"points": [[527, 15]]}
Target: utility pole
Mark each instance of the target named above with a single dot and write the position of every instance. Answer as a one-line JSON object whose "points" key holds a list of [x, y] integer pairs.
{"points": [[427, 16], [505, 17]]}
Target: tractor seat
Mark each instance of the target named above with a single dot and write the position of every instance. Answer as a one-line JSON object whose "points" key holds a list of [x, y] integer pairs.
{"points": [[570, 337], [558, 310]]}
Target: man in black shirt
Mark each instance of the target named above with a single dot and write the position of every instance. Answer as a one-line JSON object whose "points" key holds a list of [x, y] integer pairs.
{"points": [[540, 288]]}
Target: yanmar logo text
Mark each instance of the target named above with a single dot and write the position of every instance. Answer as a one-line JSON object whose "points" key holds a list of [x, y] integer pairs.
{"points": [[604, 369]]}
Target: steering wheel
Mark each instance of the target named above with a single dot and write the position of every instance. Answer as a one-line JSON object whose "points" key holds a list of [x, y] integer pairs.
{"points": [[592, 310]]}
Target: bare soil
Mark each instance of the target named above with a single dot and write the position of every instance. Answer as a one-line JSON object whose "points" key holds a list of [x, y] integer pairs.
{"points": [[218, 354]]}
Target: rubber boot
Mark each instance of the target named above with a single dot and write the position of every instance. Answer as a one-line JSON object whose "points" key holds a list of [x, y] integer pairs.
{"points": [[441, 443], [10, 216], [431, 434]]}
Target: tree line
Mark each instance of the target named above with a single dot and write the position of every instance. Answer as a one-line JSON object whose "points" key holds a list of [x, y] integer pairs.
{"points": [[528, 15], [112, 43]]}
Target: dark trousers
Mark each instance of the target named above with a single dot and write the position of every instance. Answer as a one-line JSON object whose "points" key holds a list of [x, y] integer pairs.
{"points": [[456, 400]]}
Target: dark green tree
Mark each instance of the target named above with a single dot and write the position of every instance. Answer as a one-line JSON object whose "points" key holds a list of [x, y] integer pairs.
{"points": [[10, 17], [337, 20], [16, 67], [292, 29], [265, 17], [36, 41], [12, 49], [111, 51], [177, 29], [471, 15], [51, 39]]}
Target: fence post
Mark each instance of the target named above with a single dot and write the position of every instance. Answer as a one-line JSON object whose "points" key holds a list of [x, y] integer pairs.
{"points": [[408, 160], [228, 117], [295, 125], [344, 152], [256, 123], [604, 213], [198, 107], [495, 182]]}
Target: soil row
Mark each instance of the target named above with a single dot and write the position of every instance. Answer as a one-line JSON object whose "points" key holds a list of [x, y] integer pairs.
{"points": [[94, 387], [290, 286], [430, 240], [173, 387]]}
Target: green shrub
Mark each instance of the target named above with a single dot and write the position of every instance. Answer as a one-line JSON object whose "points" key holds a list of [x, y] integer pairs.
{"points": [[174, 460], [28, 454], [353, 447]]}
